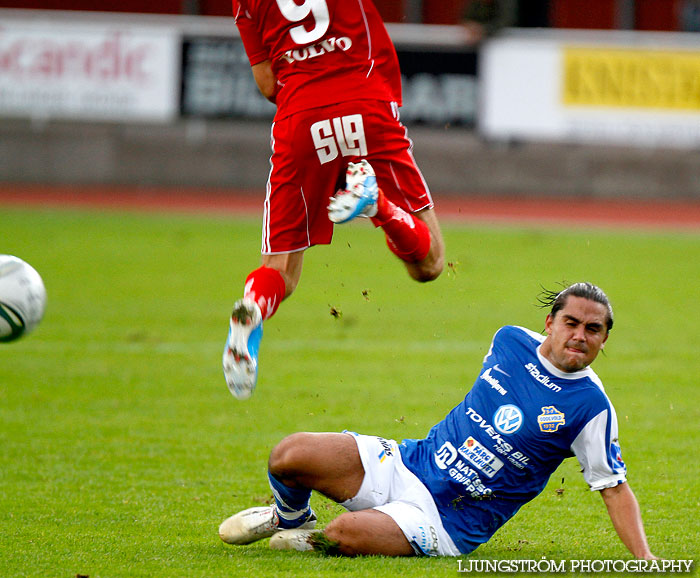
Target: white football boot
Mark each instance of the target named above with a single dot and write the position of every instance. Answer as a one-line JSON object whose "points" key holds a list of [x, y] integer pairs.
{"points": [[297, 539], [255, 524], [240, 359], [359, 198]]}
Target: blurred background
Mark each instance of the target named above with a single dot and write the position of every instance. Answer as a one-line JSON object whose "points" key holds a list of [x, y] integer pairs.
{"points": [[517, 98]]}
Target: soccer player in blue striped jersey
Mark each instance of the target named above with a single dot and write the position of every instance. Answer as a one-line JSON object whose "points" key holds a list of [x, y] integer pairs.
{"points": [[535, 402]]}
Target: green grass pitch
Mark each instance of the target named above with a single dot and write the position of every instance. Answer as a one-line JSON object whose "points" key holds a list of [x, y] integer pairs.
{"points": [[122, 449]]}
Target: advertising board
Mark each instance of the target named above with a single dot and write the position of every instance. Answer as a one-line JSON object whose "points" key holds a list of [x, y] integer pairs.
{"points": [[93, 71], [634, 88]]}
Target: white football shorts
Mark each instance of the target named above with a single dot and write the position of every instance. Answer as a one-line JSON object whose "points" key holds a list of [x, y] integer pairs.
{"points": [[390, 487]]}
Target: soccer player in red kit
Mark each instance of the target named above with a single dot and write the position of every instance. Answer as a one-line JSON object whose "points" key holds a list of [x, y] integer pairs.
{"points": [[339, 151]]}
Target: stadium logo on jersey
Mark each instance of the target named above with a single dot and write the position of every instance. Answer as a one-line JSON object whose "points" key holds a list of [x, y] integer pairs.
{"points": [[492, 381], [480, 457], [541, 377], [550, 419], [324, 47], [508, 419]]}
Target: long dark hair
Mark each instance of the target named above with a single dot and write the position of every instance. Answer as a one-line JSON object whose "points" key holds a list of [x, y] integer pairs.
{"points": [[556, 300]]}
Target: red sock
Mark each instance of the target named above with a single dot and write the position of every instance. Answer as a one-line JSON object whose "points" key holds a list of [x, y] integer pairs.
{"points": [[266, 287], [407, 237]]}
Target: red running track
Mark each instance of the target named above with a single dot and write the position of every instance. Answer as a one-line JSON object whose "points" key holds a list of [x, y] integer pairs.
{"points": [[608, 213]]}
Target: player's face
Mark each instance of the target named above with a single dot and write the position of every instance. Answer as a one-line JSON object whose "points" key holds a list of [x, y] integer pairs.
{"points": [[575, 334]]}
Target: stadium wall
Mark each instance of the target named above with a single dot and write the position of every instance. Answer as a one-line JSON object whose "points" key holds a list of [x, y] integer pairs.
{"points": [[92, 98]]}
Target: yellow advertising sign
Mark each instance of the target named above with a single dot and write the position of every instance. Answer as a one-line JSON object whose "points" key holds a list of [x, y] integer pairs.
{"points": [[631, 78]]}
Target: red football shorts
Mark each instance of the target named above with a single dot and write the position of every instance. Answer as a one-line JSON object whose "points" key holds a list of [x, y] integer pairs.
{"points": [[310, 154]]}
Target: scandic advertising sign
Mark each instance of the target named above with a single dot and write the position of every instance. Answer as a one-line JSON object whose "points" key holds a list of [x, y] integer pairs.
{"points": [[74, 71]]}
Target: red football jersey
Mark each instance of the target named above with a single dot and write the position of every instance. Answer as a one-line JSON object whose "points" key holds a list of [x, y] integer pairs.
{"points": [[322, 51]]}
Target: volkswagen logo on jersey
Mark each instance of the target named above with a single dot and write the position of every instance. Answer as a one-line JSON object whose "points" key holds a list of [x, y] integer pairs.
{"points": [[508, 419]]}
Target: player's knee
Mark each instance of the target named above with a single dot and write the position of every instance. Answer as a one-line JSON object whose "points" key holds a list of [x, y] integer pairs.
{"points": [[366, 533], [427, 270], [343, 536], [288, 455], [431, 273]]}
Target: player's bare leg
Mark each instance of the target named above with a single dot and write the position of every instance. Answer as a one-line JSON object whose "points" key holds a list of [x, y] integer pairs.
{"points": [[289, 266], [363, 533], [367, 532], [326, 462], [429, 268], [330, 464]]}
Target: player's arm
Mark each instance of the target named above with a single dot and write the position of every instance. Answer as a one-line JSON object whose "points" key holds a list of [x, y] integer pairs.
{"points": [[265, 79], [256, 51], [598, 452], [627, 519]]}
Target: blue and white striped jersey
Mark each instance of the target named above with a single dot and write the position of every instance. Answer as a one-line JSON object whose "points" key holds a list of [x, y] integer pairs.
{"points": [[496, 450]]}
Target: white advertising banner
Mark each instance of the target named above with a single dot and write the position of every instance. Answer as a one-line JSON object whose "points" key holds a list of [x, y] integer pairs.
{"points": [[621, 88], [95, 71]]}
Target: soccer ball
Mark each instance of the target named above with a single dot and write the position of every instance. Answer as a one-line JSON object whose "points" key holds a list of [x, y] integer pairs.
{"points": [[22, 298]]}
